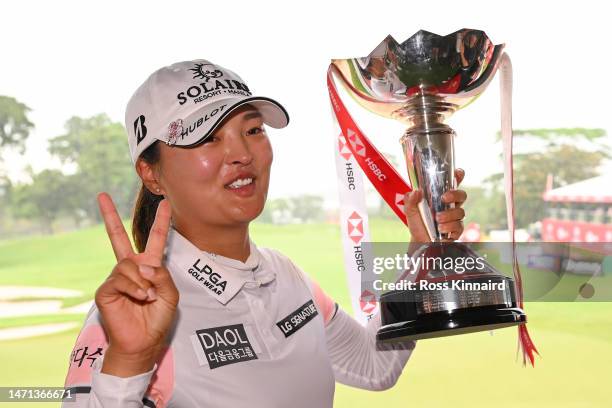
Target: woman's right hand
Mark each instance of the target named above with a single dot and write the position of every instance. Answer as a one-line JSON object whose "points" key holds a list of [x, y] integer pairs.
{"points": [[138, 300]]}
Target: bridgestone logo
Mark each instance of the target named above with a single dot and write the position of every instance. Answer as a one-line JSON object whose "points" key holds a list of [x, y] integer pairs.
{"points": [[140, 130]]}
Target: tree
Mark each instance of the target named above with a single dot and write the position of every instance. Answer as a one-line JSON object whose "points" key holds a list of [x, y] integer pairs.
{"points": [[307, 208], [41, 199], [6, 188], [99, 150], [485, 206], [276, 211], [15, 126], [302, 208], [559, 156]]}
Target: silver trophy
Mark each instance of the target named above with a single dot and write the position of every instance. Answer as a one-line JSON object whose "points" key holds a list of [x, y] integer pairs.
{"points": [[420, 82]]}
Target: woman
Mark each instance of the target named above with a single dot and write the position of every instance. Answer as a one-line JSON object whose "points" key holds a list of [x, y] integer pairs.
{"points": [[250, 328]]}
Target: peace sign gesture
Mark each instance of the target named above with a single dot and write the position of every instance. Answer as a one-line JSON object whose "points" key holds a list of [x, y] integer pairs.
{"points": [[138, 300]]}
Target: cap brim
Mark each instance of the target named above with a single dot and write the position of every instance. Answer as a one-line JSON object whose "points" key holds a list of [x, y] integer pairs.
{"points": [[202, 123]]}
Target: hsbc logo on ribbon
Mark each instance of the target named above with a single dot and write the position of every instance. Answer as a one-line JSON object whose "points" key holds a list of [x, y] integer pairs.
{"points": [[399, 201], [367, 302], [345, 152], [355, 227], [356, 142]]}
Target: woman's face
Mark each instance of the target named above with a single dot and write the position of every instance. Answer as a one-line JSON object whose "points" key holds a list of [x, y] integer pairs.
{"points": [[223, 181]]}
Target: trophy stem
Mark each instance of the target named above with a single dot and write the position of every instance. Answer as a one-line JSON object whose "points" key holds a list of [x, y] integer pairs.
{"points": [[430, 155]]}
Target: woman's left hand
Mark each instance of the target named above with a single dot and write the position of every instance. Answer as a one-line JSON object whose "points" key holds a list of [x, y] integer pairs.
{"points": [[449, 221]]}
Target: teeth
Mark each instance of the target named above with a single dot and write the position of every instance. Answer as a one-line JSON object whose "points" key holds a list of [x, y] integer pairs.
{"points": [[241, 182]]}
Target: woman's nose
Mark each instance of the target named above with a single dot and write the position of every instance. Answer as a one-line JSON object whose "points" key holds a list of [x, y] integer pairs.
{"points": [[237, 150]]}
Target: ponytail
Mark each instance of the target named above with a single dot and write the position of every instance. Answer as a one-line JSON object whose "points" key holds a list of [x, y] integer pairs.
{"points": [[146, 204]]}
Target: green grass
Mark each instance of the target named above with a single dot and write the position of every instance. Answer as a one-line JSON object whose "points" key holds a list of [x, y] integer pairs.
{"points": [[478, 370], [475, 370], [36, 362], [76, 260], [39, 319]]}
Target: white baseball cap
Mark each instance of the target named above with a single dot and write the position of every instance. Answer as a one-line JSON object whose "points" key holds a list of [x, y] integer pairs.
{"points": [[182, 104]]}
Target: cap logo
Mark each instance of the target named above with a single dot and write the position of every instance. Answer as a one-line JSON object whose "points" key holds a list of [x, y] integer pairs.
{"points": [[174, 130], [140, 130], [204, 90], [199, 72]]}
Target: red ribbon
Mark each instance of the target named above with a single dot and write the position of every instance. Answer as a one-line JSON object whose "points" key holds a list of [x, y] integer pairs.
{"points": [[383, 176]]}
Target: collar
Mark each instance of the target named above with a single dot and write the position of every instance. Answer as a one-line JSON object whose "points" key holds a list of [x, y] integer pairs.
{"points": [[216, 275]]}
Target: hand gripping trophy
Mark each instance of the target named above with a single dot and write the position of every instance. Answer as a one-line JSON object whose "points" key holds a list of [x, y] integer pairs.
{"points": [[421, 82]]}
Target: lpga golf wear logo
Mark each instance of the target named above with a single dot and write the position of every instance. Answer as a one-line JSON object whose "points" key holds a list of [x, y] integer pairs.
{"points": [[140, 130], [209, 279]]}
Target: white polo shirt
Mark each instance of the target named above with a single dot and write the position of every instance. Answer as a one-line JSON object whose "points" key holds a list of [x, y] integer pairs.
{"points": [[257, 334]]}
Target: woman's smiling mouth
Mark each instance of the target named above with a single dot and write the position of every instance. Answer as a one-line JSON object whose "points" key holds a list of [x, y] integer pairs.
{"points": [[242, 184]]}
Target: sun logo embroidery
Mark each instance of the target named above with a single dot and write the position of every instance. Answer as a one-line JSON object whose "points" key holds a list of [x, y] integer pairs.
{"points": [[345, 152], [367, 302], [355, 227], [356, 143], [200, 73]]}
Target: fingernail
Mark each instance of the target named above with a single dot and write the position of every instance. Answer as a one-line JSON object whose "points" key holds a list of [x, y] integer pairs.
{"points": [[151, 294], [140, 293], [146, 271]]}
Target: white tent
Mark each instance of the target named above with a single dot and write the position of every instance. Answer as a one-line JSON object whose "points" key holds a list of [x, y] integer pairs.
{"points": [[593, 190]]}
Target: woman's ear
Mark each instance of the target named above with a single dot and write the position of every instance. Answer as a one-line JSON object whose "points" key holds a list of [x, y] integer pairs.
{"points": [[149, 175]]}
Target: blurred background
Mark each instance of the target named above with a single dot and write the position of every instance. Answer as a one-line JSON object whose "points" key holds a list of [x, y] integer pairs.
{"points": [[68, 69]]}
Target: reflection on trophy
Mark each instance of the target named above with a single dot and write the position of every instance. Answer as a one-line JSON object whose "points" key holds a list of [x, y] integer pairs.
{"points": [[420, 82]]}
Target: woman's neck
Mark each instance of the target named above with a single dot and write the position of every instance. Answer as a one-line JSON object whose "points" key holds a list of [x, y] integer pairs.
{"points": [[230, 242]]}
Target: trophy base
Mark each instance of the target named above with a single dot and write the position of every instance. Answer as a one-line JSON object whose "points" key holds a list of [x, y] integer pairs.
{"points": [[447, 303], [459, 321]]}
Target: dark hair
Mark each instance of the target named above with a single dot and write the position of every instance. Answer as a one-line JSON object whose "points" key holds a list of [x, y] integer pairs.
{"points": [[146, 203]]}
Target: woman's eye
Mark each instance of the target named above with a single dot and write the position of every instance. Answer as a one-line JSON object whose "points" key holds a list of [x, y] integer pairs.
{"points": [[255, 130]]}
